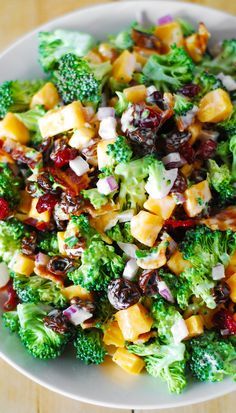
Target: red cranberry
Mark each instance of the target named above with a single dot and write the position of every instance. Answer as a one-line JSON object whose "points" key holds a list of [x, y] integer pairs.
{"points": [[190, 90], [207, 149], [4, 209], [225, 322], [175, 223], [187, 152], [46, 203], [151, 120], [62, 157], [12, 299]]}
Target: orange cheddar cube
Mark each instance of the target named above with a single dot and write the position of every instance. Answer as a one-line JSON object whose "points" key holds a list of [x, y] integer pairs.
{"points": [[47, 96], [231, 281], [11, 127], [135, 94], [113, 335], [163, 207], [77, 291], [196, 198], [231, 268], [134, 321], [215, 106], [33, 213], [123, 67], [194, 325], [177, 263], [25, 202], [127, 361], [145, 227], [169, 34], [22, 264]]}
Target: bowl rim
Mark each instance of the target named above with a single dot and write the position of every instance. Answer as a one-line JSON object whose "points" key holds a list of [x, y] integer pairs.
{"points": [[225, 390]]}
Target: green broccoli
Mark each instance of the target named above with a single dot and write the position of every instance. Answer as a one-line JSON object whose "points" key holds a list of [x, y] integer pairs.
{"points": [[89, 346], [30, 120], [48, 243], [186, 27], [227, 149], [11, 320], [15, 95], [54, 44], [164, 361], [76, 79], [182, 105], [225, 61], [85, 229], [165, 315], [11, 233], [224, 153], [219, 178], [120, 151], [132, 177], [159, 179], [123, 40], [169, 71], [116, 86], [9, 185], [232, 148], [36, 289], [179, 288], [104, 310], [229, 125], [120, 233], [122, 103], [41, 341], [100, 264], [211, 358], [200, 284], [96, 199], [207, 82]]}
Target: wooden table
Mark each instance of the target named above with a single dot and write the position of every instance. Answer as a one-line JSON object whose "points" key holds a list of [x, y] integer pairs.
{"points": [[17, 393]]}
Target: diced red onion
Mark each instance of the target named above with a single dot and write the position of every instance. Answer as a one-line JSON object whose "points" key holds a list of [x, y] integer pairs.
{"points": [[165, 19], [225, 332], [165, 292], [4, 274], [130, 270], [107, 185], [105, 112], [179, 330], [129, 249], [218, 272], [126, 216], [76, 315], [42, 259]]}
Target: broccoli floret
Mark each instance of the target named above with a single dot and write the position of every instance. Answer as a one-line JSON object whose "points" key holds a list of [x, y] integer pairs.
{"points": [[159, 179], [100, 264], [120, 151], [225, 61], [184, 292], [30, 120], [229, 125], [186, 27], [54, 44], [36, 289], [132, 177], [104, 310], [122, 40], [15, 95], [207, 82], [182, 105], [120, 233], [165, 315], [85, 229], [212, 358], [116, 85], [227, 149], [48, 243], [122, 103], [200, 284], [41, 341], [96, 199], [9, 185], [169, 71], [224, 153], [232, 148], [11, 233], [11, 320], [76, 79], [219, 178], [89, 347], [166, 362]]}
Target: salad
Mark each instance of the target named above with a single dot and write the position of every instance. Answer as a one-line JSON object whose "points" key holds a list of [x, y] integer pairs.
{"points": [[118, 201]]}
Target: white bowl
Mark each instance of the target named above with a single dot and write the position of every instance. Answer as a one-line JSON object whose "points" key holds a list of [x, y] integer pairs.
{"points": [[105, 385]]}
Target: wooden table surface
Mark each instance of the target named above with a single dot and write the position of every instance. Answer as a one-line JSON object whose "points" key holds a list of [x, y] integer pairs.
{"points": [[17, 393]]}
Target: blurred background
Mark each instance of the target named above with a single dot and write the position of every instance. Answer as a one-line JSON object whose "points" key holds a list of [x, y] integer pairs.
{"points": [[17, 393]]}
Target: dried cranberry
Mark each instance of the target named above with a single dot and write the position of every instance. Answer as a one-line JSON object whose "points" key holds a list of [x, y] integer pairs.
{"points": [[187, 152], [225, 322], [123, 293], [12, 299], [46, 202], [148, 282], [63, 157], [45, 183], [29, 243], [156, 98], [175, 223], [190, 90], [175, 140], [207, 149], [59, 265], [180, 184], [57, 322], [221, 293], [4, 209], [145, 141], [148, 118]]}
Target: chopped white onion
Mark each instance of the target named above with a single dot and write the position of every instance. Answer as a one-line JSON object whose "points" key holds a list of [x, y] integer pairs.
{"points": [[228, 82], [107, 128], [218, 272], [130, 270], [127, 120], [79, 166], [4, 274], [174, 157], [208, 134], [126, 216], [188, 119], [151, 89], [169, 177], [107, 185], [76, 315], [129, 249], [41, 259], [105, 112], [179, 330], [164, 291]]}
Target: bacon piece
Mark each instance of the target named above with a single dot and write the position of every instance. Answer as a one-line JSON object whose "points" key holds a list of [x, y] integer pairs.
{"points": [[72, 184], [224, 220]]}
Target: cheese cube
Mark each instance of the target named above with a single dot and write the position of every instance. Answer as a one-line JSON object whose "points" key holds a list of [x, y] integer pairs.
{"points": [[25, 202], [47, 96], [215, 106], [33, 213], [11, 127], [61, 242], [196, 197], [169, 34], [135, 94], [103, 158], [77, 291], [22, 264], [231, 281], [124, 66], [231, 268], [163, 207], [127, 361], [145, 227], [134, 321], [113, 335], [61, 120], [177, 263], [194, 325], [82, 137], [154, 260]]}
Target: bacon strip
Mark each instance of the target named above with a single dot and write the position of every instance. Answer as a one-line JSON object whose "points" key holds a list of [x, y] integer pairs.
{"points": [[224, 220]]}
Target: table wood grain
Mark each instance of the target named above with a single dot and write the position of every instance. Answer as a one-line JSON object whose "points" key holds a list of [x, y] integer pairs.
{"points": [[17, 393]]}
